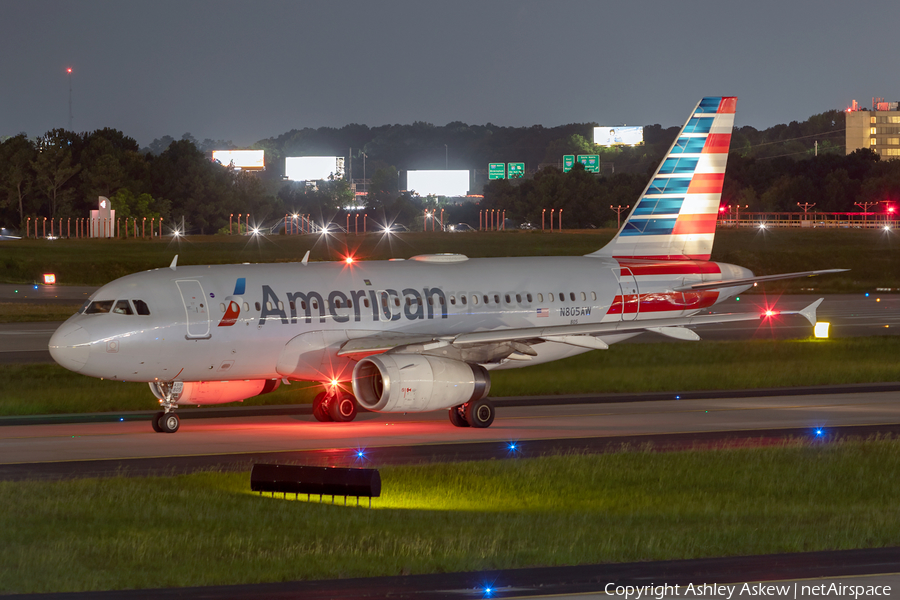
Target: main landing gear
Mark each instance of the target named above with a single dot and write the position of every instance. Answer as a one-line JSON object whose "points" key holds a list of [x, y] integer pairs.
{"points": [[479, 413], [334, 405]]}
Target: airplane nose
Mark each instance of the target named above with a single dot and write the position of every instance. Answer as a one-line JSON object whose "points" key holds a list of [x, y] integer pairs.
{"points": [[70, 346]]}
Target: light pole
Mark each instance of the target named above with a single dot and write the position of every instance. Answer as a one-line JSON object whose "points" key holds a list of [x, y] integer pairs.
{"points": [[69, 72], [619, 210], [865, 206]]}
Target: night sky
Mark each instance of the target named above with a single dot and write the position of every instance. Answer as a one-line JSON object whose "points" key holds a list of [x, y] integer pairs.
{"points": [[245, 71]]}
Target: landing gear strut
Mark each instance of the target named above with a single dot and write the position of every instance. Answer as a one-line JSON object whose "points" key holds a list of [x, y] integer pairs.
{"points": [[334, 405], [165, 421]]}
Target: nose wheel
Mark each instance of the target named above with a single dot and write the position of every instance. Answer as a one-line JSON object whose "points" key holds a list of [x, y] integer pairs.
{"points": [[165, 421], [335, 406]]}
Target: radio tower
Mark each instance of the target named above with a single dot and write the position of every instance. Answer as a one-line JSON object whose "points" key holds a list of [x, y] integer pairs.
{"points": [[69, 72]]}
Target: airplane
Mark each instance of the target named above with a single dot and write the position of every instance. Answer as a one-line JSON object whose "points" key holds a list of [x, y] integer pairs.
{"points": [[421, 334]]}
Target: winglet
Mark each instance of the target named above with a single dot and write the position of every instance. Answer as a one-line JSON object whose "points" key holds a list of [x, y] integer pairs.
{"points": [[810, 311], [305, 259], [174, 263]]}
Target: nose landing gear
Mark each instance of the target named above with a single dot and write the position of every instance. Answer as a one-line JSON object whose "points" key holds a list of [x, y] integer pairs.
{"points": [[166, 421]]}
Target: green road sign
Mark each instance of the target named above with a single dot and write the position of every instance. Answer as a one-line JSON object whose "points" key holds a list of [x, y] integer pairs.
{"points": [[591, 162], [516, 170], [568, 162], [496, 170]]}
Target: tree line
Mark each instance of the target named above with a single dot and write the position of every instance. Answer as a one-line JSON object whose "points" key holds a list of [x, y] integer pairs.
{"points": [[61, 173]]}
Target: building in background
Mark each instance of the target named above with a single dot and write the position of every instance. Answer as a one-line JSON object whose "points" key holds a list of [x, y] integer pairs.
{"points": [[877, 129]]}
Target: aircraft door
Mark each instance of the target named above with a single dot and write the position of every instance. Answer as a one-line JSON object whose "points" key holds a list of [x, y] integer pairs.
{"points": [[195, 308], [630, 295]]}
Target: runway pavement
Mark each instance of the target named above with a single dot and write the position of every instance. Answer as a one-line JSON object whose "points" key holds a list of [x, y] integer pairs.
{"points": [[290, 433], [850, 315]]}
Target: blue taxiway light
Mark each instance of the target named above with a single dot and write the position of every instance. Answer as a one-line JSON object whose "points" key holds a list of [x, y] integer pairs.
{"points": [[35, 287], [819, 431]]}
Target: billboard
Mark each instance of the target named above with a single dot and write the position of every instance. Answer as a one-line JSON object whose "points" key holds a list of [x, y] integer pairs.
{"points": [[496, 171], [313, 168], [242, 159], [618, 136], [438, 183]]}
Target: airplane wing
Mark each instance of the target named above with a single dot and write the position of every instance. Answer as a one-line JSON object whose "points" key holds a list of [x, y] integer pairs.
{"points": [[581, 335], [710, 285]]}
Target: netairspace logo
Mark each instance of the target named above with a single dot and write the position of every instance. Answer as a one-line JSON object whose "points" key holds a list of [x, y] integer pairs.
{"points": [[746, 590]]}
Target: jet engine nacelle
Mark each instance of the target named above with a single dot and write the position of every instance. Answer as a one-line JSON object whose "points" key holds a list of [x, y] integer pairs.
{"points": [[214, 392], [417, 383]]}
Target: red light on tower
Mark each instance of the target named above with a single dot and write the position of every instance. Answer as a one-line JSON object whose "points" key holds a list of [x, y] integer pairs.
{"points": [[69, 70]]}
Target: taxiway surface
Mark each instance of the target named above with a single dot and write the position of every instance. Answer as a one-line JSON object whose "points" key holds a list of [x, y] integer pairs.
{"points": [[289, 433]]}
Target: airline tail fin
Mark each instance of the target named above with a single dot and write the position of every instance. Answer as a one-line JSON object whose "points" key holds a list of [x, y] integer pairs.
{"points": [[675, 217]]}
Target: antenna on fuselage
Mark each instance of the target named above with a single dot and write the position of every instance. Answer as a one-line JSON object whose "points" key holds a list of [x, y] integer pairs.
{"points": [[302, 262], [174, 262]]}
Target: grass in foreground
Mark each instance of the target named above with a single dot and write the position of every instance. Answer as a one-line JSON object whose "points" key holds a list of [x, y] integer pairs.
{"points": [[654, 367], [632, 506]]}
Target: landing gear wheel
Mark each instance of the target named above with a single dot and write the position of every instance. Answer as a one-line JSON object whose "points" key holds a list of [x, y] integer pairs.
{"points": [[480, 413], [320, 408], [155, 421], [458, 416], [342, 408], [169, 422]]}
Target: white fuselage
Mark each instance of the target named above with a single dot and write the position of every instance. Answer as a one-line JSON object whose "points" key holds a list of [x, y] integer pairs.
{"points": [[266, 321]]}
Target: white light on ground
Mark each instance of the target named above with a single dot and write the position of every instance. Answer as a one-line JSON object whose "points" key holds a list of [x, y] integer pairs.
{"points": [[821, 330]]}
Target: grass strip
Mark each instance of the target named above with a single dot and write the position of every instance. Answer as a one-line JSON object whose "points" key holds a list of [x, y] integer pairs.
{"points": [[96, 534], [26, 312], [30, 389], [870, 253]]}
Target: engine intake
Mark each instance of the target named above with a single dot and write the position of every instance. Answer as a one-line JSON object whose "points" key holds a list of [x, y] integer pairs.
{"points": [[417, 383]]}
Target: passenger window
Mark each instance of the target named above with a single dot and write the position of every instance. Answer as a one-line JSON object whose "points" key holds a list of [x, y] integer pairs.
{"points": [[366, 302], [292, 305], [222, 306], [123, 308], [257, 305], [246, 307], [528, 298], [540, 297], [583, 296], [430, 301], [141, 307], [408, 301], [572, 296], [303, 304], [497, 299], [453, 300], [99, 306], [550, 296], [337, 303], [349, 303], [463, 299], [562, 296], [485, 298], [280, 305], [268, 305], [519, 298], [315, 305], [507, 299], [396, 301], [474, 300], [593, 295]]}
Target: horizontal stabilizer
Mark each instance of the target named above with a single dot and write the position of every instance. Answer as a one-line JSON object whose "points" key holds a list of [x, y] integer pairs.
{"points": [[711, 285]]}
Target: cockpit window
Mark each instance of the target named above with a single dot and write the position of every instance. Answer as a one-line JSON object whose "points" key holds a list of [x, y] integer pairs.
{"points": [[99, 306], [122, 307], [141, 307]]}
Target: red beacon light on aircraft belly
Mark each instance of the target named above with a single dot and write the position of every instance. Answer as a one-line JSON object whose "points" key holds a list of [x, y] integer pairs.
{"points": [[349, 260]]}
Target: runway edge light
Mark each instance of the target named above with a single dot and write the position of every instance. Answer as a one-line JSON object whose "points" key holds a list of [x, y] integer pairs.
{"points": [[821, 330]]}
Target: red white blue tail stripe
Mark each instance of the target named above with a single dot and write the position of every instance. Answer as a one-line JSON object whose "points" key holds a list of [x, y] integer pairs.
{"points": [[675, 217]]}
